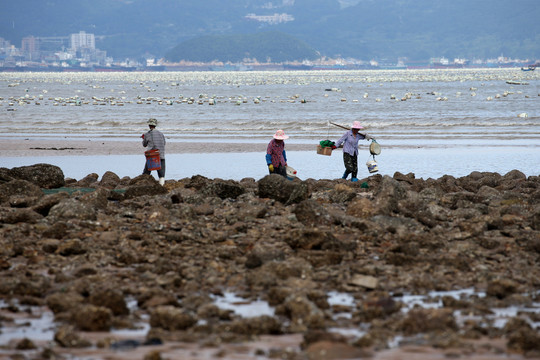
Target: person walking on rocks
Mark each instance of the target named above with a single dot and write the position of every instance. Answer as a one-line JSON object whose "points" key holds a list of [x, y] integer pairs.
{"points": [[154, 139], [349, 142], [276, 157]]}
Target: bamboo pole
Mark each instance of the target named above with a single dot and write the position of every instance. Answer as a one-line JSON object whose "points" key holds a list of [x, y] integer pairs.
{"points": [[341, 126]]}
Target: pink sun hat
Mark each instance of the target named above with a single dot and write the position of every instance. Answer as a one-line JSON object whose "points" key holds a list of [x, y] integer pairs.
{"points": [[280, 135], [357, 125]]}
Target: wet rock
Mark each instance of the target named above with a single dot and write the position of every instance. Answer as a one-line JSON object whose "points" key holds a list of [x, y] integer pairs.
{"points": [[153, 355], [320, 258], [171, 318], [533, 245], [223, 189], [22, 201], [72, 209], [319, 298], [262, 253], [63, 301], [521, 337], [361, 207], [514, 324], [366, 281], [260, 325], [149, 188], [85, 270], [109, 180], [514, 175], [400, 226], [57, 230], [342, 194], [501, 288], [278, 188], [19, 187], [25, 285], [143, 179], [292, 267], [303, 313], [92, 318], [262, 277], [96, 199], [197, 182], [315, 239], [277, 294], [71, 247], [314, 336], [43, 175], [388, 195], [5, 175], [330, 350], [408, 178], [110, 298], [488, 194], [376, 305], [211, 311], [149, 298], [45, 204], [310, 213], [14, 216], [67, 336], [89, 180], [447, 184], [49, 245], [25, 344], [427, 320]]}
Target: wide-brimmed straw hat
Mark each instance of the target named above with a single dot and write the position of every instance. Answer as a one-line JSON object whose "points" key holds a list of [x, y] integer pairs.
{"points": [[280, 135], [357, 125]]}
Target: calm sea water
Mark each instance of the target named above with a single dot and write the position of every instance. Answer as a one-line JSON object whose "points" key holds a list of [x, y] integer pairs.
{"points": [[430, 122]]}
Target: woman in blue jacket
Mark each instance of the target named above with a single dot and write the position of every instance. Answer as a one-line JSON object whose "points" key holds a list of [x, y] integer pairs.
{"points": [[276, 157]]}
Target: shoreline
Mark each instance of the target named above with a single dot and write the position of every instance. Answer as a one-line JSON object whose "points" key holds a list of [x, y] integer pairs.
{"points": [[235, 161], [29, 147]]}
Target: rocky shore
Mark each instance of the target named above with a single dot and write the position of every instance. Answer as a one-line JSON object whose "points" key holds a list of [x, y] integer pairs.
{"points": [[121, 253]]}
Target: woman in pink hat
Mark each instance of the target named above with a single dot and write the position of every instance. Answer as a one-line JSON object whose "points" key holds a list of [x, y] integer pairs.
{"points": [[349, 141], [276, 158]]}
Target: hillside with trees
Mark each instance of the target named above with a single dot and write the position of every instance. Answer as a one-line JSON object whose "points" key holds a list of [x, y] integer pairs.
{"points": [[362, 29], [264, 47]]}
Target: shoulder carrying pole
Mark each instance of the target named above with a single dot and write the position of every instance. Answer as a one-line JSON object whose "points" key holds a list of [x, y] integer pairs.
{"points": [[341, 126]]}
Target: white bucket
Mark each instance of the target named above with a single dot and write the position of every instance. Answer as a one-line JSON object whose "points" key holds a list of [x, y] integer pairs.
{"points": [[291, 173], [372, 166]]}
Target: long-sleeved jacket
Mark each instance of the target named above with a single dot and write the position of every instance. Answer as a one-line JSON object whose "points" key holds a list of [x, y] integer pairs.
{"points": [[154, 139], [275, 153], [350, 142]]}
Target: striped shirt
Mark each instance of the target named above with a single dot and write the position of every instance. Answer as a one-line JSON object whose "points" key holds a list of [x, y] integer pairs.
{"points": [[154, 139]]}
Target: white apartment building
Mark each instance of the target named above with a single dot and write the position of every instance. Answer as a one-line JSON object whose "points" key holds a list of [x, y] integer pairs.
{"points": [[82, 40]]}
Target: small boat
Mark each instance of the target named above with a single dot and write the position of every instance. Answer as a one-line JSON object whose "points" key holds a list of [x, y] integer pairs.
{"points": [[529, 68], [512, 82]]}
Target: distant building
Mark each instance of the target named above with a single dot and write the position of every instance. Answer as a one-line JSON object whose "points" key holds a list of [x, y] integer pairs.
{"points": [[82, 40], [30, 44], [30, 48], [4, 44], [271, 19]]}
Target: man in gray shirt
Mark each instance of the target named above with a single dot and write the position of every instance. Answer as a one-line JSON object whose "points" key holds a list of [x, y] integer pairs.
{"points": [[154, 139]]}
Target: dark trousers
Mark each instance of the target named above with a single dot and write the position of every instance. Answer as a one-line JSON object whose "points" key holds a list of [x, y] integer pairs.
{"points": [[280, 170], [351, 165], [160, 172]]}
